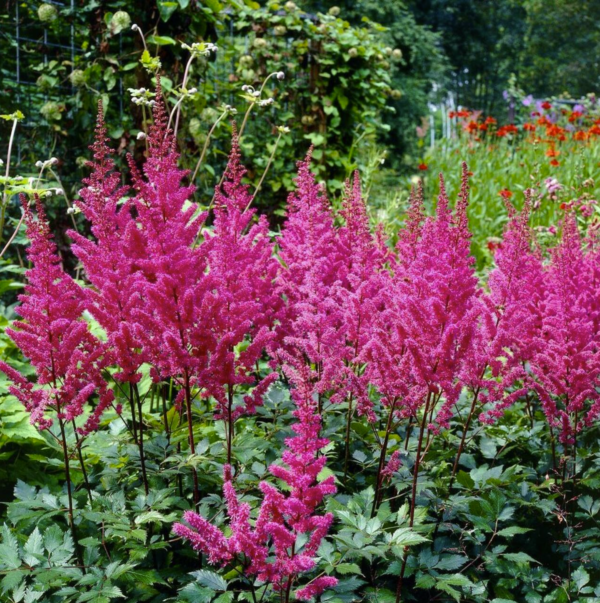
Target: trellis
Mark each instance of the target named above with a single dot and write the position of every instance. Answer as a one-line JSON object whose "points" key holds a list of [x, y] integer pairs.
{"points": [[27, 43]]}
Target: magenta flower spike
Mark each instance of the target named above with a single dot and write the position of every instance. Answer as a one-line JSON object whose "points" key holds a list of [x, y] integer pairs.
{"points": [[67, 358]]}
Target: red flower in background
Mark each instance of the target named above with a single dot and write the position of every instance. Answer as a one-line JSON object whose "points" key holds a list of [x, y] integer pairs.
{"points": [[423, 167], [505, 193], [546, 105], [555, 162]]}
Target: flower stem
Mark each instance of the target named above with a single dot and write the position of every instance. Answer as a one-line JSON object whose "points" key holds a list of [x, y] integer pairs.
{"points": [[188, 408]]}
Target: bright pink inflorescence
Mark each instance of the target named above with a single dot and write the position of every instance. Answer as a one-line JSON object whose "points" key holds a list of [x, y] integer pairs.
{"points": [[67, 358], [268, 546]]}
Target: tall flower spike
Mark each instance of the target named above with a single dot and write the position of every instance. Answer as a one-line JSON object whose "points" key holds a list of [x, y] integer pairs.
{"points": [[67, 358], [241, 303], [310, 318], [566, 360], [111, 261], [270, 546], [421, 346], [358, 293], [512, 317], [170, 274]]}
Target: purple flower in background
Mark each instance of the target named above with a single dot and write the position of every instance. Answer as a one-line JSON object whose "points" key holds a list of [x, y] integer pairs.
{"points": [[552, 185], [579, 108], [505, 95], [528, 100]]}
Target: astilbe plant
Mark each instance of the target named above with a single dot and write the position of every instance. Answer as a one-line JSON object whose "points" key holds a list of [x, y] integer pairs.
{"points": [[309, 333], [241, 305], [109, 261], [270, 546], [512, 317], [67, 358], [565, 364], [421, 345], [362, 277], [506, 325]]}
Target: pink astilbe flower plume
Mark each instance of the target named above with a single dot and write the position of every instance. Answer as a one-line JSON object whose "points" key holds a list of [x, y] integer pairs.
{"points": [[111, 261], [241, 304], [511, 319], [358, 293], [170, 273], [439, 289], [565, 364], [423, 340], [269, 547], [310, 319], [67, 358]]}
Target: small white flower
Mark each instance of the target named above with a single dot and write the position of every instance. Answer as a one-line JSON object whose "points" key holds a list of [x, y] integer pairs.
{"points": [[280, 75], [59, 191], [141, 136], [71, 210], [265, 102], [135, 27], [39, 164], [52, 161]]}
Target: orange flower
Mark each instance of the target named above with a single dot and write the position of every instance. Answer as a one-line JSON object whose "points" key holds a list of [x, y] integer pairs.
{"points": [[529, 127], [472, 126], [552, 153], [489, 121], [505, 193], [580, 135]]}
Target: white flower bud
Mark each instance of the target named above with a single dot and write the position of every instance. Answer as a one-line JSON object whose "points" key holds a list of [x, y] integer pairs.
{"points": [[141, 136], [280, 75]]}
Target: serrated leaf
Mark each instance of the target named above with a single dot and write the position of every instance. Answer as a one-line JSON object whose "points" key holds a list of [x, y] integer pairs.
{"points": [[519, 557], [512, 530], [210, 579], [348, 568], [580, 577], [407, 537], [11, 580], [149, 517], [451, 562], [34, 548], [9, 550]]}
